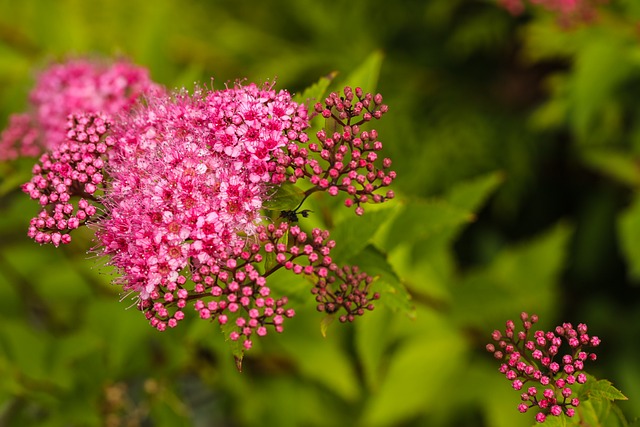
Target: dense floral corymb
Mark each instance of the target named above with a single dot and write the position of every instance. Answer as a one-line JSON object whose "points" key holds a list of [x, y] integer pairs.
{"points": [[534, 363], [78, 86], [189, 174]]}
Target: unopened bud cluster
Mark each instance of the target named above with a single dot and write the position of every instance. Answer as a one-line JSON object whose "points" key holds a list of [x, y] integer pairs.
{"points": [[345, 157], [73, 168], [337, 289], [535, 364]]}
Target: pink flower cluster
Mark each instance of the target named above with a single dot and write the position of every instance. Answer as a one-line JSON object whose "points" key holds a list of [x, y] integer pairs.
{"points": [[73, 168], [180, 183], [230, 290], [74, 87], [568, 11], [534, 363], [345, 160], [189, 174], [336, 288]]}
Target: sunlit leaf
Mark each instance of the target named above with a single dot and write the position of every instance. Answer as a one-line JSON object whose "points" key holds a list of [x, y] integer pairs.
{"points": [[315, 92], [618, 165], [353, 233], [286, 197], [392, 292], [472, 194], [629, 235], [425, 219], [366, 75]]}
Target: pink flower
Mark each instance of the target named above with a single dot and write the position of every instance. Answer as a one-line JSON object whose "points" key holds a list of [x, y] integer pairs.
{"points": [[188, 178], [74, 87]]}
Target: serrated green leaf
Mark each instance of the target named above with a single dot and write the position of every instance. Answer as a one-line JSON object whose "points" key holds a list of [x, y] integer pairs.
{"points": [[392, 293], [372, 339], [286, 197], [472, 194], [629, 235], [560, 421], [353, 234], [520, 278], [237, 346], [366, 75], [315, 92], [425, 219], [421, 365], [603, 389]]}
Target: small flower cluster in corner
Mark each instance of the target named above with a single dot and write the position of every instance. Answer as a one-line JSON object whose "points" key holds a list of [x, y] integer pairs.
{"points": [[177, 186], [568, 11], [536, 364]]}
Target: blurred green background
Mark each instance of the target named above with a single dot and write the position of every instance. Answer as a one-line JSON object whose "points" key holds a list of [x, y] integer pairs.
{"points": [[517, 147]]}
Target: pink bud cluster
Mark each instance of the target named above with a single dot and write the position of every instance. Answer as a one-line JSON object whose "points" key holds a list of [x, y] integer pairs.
{"points": [[534, 363], [345, 157], [230, 291], [567, 11], [74, 87], [74, 168], [336, 288]]}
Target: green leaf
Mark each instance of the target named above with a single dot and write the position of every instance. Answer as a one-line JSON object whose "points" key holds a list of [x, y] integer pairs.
{"points": [[521, 278], [392, 292], [237, 346], [425, 219], [352, 234], [371, 340], [472, 194], [286, 197], [600, 66], [561, 421], [315, 92], [366, 75], [311, 351], [617, 165], [629, 235], [421, 366], [603, 390]]}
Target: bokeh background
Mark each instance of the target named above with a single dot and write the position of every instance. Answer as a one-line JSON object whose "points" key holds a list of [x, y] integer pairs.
{"points": [[517, 146]]}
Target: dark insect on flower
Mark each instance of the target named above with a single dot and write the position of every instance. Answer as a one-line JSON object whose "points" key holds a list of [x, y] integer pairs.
{"points": [[292, 216]]}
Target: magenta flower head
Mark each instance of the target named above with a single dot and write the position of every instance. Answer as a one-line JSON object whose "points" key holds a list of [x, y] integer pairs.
{"points": [[189, 175], [533, 359], [77, 86]]}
